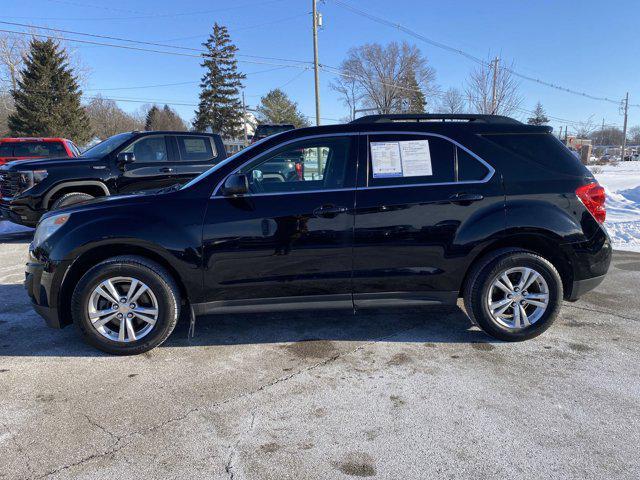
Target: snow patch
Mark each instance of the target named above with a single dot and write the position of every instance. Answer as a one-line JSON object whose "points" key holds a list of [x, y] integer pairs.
{"points": [[622, 186]]}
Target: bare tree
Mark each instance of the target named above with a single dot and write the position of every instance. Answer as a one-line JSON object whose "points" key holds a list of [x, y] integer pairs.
{"points": [[6, 108], [585, 129], [452, 101], [379, 75], [107, 118], [347, 87], [634, 135], [479, 90], [12, 51]]}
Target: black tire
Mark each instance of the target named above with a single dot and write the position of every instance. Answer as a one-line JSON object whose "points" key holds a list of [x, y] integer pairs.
{"points": [[482, 276], [154, 276], [70, 199]]}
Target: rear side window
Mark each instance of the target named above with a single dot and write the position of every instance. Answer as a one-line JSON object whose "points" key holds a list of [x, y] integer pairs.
{"points": [[196, 148], [469, 168], [541, 148], [409, 160], [32, 149]]}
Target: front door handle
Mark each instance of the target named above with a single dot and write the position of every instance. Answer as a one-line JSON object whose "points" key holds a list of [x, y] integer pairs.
{"points": [[167, 170], [329, 211], [465, 198]]}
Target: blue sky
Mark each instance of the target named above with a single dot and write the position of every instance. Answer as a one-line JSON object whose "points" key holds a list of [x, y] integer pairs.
{"points": [[588, 45]]}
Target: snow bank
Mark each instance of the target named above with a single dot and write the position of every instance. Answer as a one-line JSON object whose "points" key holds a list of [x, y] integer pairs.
{"points": [[622, 185]]}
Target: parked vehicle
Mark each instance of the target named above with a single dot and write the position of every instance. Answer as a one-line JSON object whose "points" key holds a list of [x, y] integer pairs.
{"points": [[266, 130], [124, 163], [16, 149], [411, 212]]}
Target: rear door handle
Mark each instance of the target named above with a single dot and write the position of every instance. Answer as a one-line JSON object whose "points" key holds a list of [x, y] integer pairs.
{"points": [[329, 211], [167, 170], [465, 198]]}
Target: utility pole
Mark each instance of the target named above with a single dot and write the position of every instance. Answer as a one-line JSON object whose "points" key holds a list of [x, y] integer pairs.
{"points": [[494, 89], [624, 126], [602, 133], [315, 59], [244, 120]]}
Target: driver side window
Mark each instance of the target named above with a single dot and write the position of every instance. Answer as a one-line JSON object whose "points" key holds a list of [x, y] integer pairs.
{"points": [[149, 149], [315, 164]]}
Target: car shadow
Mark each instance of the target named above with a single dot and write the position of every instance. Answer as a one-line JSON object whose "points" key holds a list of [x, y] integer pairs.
{"points": [[24, 334]]}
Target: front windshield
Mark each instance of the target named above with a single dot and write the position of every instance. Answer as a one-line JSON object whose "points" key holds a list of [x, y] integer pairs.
{"points": [[108, 145], [224, 162]]}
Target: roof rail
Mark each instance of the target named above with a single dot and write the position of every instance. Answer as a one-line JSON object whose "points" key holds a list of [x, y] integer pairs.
{"points": [[435, 117]]}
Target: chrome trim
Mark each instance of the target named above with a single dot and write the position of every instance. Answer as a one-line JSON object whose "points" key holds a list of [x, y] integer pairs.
{"points": [[368, 187]]}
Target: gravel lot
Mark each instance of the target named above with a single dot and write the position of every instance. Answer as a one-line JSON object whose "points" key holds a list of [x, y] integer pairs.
{"points": [[392, 394]]}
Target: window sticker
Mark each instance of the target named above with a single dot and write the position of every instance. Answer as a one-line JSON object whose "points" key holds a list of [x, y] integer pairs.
{"points": [[385, 158], [416, 158], [411, 158], [195, 145]]}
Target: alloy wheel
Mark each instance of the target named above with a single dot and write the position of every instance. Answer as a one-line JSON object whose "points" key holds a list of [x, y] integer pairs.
{"points": [[518, 297], [123, 309]]}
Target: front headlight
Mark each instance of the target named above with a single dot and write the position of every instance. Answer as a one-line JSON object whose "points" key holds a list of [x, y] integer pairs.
{"points": [[48, 227]]}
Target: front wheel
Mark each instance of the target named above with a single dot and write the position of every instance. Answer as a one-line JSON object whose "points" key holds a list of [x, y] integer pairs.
{"points": [[514, 295], [126, 305]]}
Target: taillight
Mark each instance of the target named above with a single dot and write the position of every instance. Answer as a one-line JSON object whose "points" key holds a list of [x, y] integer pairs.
{"points": [[299, 171], [593, 197]]}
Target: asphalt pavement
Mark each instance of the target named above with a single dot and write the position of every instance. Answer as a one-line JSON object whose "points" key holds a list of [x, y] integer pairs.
{"points": [[391, 394]]}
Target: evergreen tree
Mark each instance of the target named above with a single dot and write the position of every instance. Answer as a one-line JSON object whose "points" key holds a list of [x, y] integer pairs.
{"points": [[150, 118], [277, 107], [414, 100], [164, 118], [539, 116], [220, 107], [47, 97]]}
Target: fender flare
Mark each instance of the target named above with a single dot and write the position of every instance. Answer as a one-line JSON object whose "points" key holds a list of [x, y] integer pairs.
{"points": [[57, 188]]}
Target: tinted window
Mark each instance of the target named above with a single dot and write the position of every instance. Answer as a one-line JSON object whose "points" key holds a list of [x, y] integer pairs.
{"points": [[316, 164], [267, 130], [469, 168], [196, 148], [410, 159], [542, 148], [149, 149], [108, 145], [33, 149]]}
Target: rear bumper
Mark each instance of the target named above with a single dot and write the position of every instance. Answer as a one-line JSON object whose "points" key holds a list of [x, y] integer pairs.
{"points": [[590, 262]]}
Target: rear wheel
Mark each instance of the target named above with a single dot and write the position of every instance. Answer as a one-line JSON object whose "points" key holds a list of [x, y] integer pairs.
{"points": [[126, 305], [70, 199], [513, 294]]}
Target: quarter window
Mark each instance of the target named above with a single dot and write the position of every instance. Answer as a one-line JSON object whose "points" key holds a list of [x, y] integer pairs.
{"points": [[149, 149], [316, 164], [196, 148], [469, 168]]}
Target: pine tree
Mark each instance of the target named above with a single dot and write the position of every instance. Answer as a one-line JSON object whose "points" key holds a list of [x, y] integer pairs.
{"points": [[414, 100], [277, 107], [539, 116], [47, 97], [150, 118], [164, 118], [220, 108]]}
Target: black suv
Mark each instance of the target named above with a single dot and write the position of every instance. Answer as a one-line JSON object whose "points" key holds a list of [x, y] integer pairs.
{"points": [[419, 211], [123, 163]]}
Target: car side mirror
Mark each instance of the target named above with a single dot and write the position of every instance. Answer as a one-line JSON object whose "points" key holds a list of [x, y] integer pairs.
{"points": [[236, 184], [125, 158]]}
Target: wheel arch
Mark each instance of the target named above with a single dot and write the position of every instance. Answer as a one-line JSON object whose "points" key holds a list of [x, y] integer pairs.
{"points": [[96, 255], [91, 187], [542, 242]]}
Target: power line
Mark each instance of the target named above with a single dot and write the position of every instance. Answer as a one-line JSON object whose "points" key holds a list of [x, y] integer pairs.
{"points": [[469, 56]]}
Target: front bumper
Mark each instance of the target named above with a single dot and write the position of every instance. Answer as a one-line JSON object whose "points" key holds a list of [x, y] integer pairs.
{"points": [[42, 285], [20, 214]]}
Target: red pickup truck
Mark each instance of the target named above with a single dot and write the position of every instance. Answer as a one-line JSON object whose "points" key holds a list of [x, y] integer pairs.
{"points": [[13, 149]]}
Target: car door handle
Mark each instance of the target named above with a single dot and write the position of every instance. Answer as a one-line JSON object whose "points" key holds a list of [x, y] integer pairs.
{"points": [[465, 198], [329, 211], [167, 170]]}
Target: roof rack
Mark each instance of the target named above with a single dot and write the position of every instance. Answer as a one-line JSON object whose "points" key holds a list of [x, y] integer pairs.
{"points": [[435, 117]]}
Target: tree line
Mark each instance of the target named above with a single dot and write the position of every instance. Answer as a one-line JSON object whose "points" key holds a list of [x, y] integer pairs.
{"points": [[45, 94]]}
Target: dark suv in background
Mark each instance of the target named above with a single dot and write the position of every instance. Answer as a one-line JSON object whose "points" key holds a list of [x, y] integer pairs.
{"points": [[124, 163], [390, 210]]}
